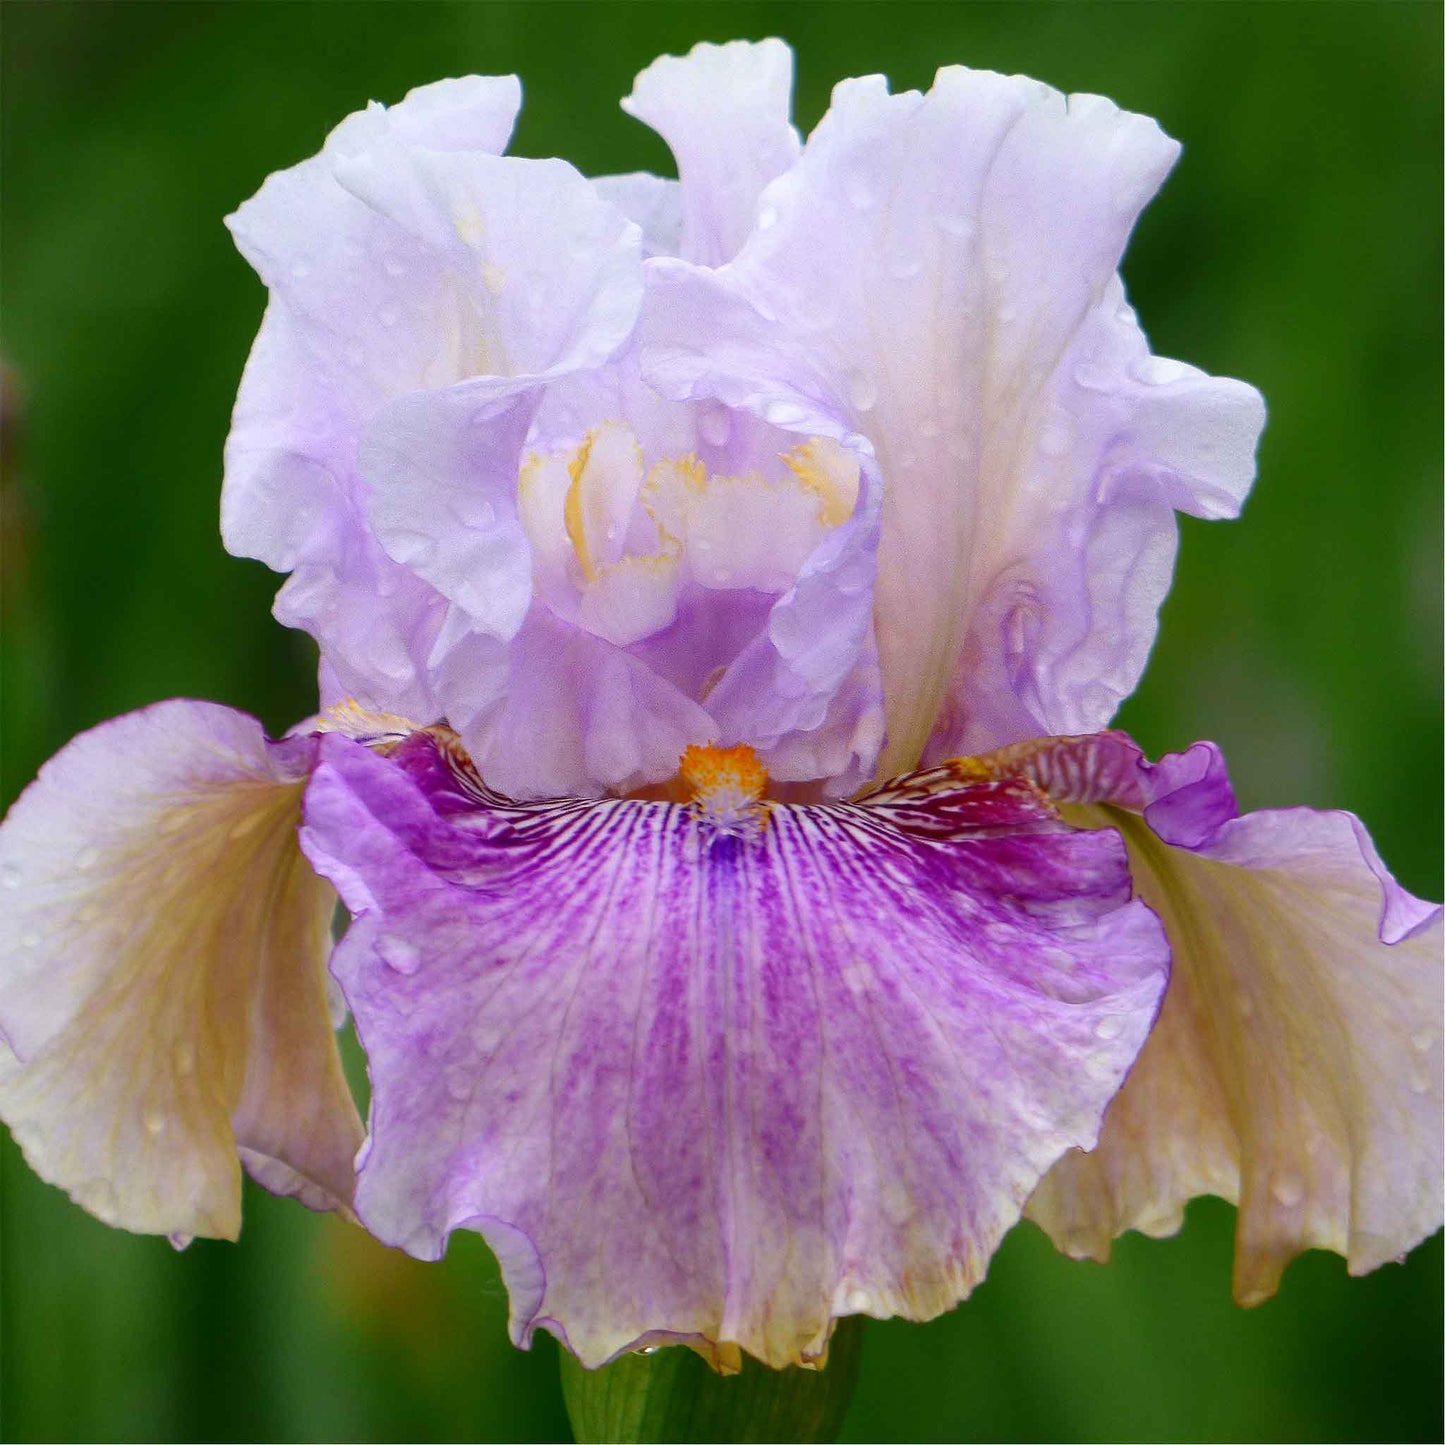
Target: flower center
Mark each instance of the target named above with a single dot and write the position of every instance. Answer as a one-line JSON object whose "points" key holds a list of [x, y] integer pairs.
{"points": [[726, 787], [614, 541]]}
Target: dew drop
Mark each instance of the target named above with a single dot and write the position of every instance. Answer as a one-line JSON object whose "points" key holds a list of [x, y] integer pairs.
{"points": [[245, 825], [647, 1350], [1007, 315], [300, 269], [1419, 1082], [859, 190], [179, 1241], [98, 1197], [393, 267], [154, 1121], [184, 1058], [863, 390], [859, 1300], [397, 953], [1109, 1027], [388, 316], [9, 875], [1057, 437], [954, 225], [1422, 1041], [714, 426], [784, 413], [767, 218], [1287, 1191], [459, 1083], [30, 939]]}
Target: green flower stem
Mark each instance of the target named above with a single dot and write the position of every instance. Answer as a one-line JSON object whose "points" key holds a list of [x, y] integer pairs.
{"points": [[672, 1394]]}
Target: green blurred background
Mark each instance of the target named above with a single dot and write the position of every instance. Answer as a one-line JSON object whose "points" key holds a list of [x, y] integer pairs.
{"points": [[1298, 245]]}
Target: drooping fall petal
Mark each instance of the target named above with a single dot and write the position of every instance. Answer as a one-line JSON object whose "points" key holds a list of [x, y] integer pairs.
{"points": [[163, 989], [723, 1072], [1296, 1066]]}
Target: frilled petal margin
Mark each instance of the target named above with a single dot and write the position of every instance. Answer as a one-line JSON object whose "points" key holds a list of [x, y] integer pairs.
{"points": [[723, 1087], [163, 992], [1296, 1067]]}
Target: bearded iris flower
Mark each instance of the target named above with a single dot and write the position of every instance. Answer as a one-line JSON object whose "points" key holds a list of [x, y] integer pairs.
{"points": [[722, 587]]}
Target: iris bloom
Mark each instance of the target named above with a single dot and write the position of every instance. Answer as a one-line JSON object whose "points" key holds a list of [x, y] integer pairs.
{"points": [[722, 587]]}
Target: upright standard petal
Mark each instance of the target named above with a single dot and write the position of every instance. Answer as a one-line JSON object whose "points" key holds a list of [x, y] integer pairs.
{"points": [[163, 984], [723, 1072], [939, 273], [1296, 1066], [725, 112]]}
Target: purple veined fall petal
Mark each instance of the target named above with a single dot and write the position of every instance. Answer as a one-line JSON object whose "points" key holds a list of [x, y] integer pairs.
{"points": [[714, 1074], [163, 988], [939, 272], [1296, 1065]]}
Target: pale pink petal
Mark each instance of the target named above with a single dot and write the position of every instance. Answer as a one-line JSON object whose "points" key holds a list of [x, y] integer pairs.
{"points": [[1296, 1067], [163, 987]]}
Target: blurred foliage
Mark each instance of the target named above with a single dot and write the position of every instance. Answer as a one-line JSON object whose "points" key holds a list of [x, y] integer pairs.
{"points": [[1298, 245]]}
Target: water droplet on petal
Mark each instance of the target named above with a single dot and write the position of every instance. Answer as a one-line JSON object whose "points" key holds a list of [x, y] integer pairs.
{"points": [[767, 218], [647, 1350], [300, 269], [1287, 1190], [859, 190], [388, 316], [859, 1300], [179, 1241], [393, 267], [714, 425], [863, 390], [1057, 436], [1109, 1027], [1423, 1041], [87, 858], [154, 1120], [184, 1058], [30, 939], [784, 413], [98, 1196], [460, 1083], [9, 875], [397, 953]]}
